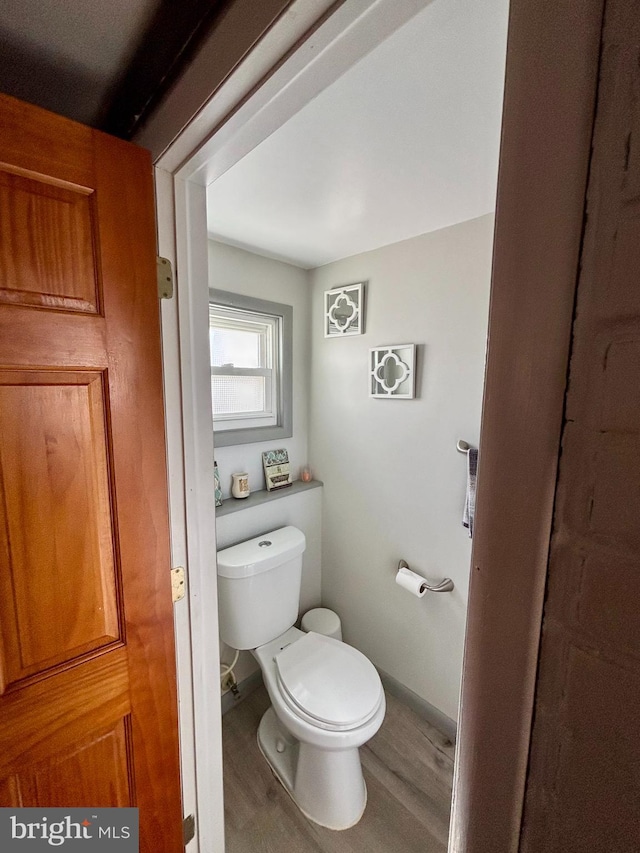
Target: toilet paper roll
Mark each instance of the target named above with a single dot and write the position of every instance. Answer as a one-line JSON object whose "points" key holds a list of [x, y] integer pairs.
{"points": [[411, 581]]}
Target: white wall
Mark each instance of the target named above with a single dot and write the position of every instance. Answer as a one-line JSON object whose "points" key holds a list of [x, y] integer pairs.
{"points": [[394, 482], [243, 272]]}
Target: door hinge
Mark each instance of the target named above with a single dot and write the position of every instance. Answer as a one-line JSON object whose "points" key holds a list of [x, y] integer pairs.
{"points": [[188, 828], [165, 278], [177, 584]]}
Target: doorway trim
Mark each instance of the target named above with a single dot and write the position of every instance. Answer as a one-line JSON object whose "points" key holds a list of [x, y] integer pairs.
{"points": [[549, 107], [542, 181], [229, 126]]}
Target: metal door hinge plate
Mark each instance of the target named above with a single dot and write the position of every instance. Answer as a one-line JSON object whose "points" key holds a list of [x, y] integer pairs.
{"points": [[188, 828], [177, 584], [165, 278]]}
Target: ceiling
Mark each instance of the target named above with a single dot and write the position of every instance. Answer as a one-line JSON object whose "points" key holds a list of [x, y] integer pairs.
{"points": [[66, 55], [404, 143], [105, 63]]}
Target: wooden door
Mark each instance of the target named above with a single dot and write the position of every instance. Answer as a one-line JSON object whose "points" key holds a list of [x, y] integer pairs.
{"points": [[88, 712]]}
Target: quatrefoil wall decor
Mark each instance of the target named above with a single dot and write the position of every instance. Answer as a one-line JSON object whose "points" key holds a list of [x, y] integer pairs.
{"points": [[392, 372], [344, 311]]}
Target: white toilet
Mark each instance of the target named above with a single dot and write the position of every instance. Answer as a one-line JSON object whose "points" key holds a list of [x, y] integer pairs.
{"points": [[327, 699]]}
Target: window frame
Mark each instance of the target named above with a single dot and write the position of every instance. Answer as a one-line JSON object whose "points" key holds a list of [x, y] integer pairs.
{"points": [[283, 428], [251, 321]]}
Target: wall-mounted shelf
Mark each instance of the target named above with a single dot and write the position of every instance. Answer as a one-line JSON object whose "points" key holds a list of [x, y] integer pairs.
{"points": [[263, 496]]}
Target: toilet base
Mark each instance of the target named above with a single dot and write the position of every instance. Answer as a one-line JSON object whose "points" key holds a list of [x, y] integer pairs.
{"points": [[326, 785]]}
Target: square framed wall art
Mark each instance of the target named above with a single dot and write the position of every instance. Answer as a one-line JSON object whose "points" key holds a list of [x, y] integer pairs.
{"points": [[344, 311], [392, 372]]}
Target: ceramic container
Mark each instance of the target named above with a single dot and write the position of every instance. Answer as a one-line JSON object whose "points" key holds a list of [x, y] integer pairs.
{"points": [[240, 485]]}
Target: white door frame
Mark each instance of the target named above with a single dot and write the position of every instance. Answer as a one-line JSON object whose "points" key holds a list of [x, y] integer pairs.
{"points": [[261, 95], [544, 160]]}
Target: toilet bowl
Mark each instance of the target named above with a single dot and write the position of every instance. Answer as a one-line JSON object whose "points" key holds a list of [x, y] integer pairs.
{"points": [[327, 701], [327, 698]]}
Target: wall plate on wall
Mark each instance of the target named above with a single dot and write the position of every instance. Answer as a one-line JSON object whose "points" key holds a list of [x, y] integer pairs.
{"points": [[344, 311], [392, 372]]}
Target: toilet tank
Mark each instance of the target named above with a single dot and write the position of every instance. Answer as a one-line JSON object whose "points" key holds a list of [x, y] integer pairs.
{"points": [[259, 587]]}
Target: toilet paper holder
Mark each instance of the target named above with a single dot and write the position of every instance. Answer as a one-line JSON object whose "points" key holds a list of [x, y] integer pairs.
{"points": [[445, 585]]}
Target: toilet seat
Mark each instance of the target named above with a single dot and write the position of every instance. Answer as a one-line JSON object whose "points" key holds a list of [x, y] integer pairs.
{"points": [[328, 683]]}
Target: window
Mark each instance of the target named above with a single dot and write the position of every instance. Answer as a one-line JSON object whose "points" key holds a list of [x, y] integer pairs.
{"points": [[244, 370], [250, 346]]}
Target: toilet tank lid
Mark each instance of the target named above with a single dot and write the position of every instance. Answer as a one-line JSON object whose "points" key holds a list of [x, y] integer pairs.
{"points": [[261, 553]]}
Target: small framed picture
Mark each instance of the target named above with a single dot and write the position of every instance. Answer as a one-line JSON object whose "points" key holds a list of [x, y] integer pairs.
{"points": [[344, 311], [277, 472], [392, 372]]}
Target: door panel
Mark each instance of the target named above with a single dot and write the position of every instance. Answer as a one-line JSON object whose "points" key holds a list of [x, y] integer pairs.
{"points": [[88, 711], [96, 771], [57, 533], [47, 249]]}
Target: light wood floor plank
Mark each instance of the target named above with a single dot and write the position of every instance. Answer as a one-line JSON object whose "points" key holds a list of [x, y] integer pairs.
{"points": [[408, 768]]}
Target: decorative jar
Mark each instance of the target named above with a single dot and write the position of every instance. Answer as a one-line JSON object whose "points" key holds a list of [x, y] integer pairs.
{"points": [[240, 485]]}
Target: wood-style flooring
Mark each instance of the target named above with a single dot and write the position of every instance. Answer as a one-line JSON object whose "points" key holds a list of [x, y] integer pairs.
{"points": [[408, 768]]}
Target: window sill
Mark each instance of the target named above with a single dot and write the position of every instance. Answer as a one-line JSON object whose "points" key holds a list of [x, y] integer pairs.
{"points": [[263, 496]]}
